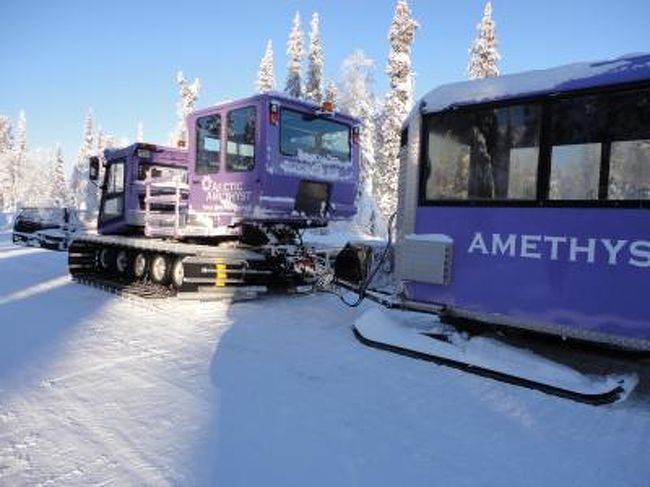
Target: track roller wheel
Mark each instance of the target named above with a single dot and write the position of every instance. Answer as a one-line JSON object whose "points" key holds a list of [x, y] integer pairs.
{"points": [[122, 262], [177, 273], [159, 269], [105, 258], [140, 263]]}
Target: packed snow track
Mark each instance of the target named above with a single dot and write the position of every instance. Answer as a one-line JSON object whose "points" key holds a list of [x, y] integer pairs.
{"points": [[98, 389]]}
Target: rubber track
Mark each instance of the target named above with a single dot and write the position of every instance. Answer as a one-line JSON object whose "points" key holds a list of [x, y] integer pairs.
{"points": [[141, 289], [593, 399]]}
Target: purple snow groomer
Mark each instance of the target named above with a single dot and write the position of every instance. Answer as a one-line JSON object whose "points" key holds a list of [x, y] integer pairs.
{"points": [[227, 213]]}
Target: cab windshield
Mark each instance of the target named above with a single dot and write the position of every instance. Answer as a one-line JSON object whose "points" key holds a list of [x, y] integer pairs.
{"points": [[310, 137]]}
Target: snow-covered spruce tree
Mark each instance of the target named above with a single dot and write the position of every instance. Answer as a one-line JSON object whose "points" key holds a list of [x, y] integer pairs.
{"points": [[483, 55], [84, 194], [6, 137], [21, 133], [101, 146], [6, 162], [17, 171], [397, 105], [293, 86], [330, 93], [187, 96], [58, 187], [314, 88], [265, 77], [357, 98], [139, 133]]}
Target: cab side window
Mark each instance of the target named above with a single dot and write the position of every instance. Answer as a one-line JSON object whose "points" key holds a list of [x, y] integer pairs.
{"points": [[208, 144], [240, 149]]}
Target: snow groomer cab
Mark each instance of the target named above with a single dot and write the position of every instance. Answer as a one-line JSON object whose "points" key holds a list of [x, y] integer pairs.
{"points": [[270, 159], [525, 201], [141, 182]]}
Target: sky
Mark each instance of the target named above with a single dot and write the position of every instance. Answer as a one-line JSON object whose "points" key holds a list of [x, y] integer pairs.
{"points": [[58, 58]]}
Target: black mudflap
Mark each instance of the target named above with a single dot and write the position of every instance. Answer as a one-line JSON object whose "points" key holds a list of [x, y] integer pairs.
{"points": [[353, 264]]}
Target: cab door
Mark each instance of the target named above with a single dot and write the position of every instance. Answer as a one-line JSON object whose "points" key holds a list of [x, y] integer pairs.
{"points": [[224, 180], [111, 208]]}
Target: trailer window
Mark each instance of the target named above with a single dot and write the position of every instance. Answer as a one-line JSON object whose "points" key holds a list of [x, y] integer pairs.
{"points": [[448, 156], [484, 155], [240, 152], [309, 137], [629, 167], [578, 129], [208, 144]]}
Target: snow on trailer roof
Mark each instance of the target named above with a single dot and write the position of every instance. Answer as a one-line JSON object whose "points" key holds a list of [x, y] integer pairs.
{"points": [[625, 69]]}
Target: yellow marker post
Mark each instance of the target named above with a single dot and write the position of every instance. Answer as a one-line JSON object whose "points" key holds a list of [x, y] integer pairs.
{"points": [[221, 275]]}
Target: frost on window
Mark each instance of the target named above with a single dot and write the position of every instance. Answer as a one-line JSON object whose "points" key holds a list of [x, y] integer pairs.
{"points": [[522, 178], [240, 150], [629, 167], [575, 172], [629, 170], [484, 155], [309, 137], [449, 158], [208, 144]]}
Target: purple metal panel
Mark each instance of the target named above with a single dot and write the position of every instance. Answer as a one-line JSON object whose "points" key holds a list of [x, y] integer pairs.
{"points": [[585, 268]]}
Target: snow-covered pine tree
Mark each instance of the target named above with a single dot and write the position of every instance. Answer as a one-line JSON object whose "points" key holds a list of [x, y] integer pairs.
{"points": [[483, 55], [314, 88], [6, 137], [21, 132], [58, 187], [17, 172], [330, 93], [357, 99], [101, 146], [139, 134], [265, 77], [6, 162], [187, 96], [293, 86], [84, 195], [397, 105]]}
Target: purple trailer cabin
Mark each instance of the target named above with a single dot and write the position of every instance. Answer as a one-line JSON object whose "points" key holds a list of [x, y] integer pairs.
{"points": [[525, 201]]}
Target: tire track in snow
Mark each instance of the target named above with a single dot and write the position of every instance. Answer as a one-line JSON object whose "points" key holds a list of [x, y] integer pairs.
{"points": [[123, 390]]}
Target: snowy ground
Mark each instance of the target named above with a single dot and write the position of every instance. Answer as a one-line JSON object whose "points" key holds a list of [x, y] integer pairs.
{"points": [[95, 389]]}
